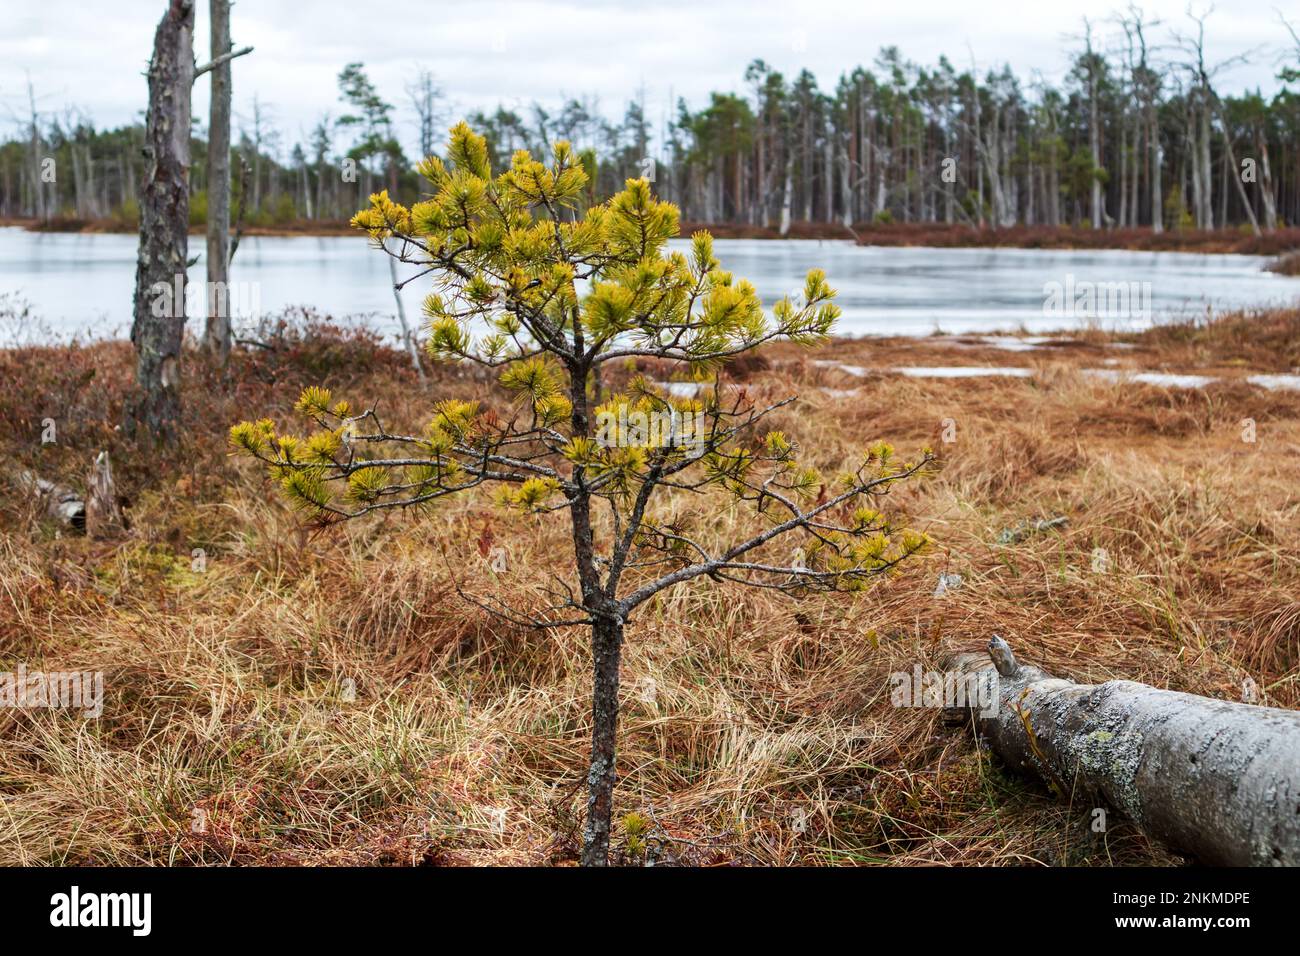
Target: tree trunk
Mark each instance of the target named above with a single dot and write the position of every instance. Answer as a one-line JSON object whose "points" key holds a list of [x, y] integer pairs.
{"points": [[786, 194], [217, 334], [1096, 210], [78, 181], [38, 183], [1266, 182], [257, 155], [1217, 780], [164, 224], [408, 340], [96, 208], [1157, 189], [320, 187], [1232, 169], [1123, 176], [305, 186], [606, 649], [828, 177], [1135, 176], [1203, 151]]}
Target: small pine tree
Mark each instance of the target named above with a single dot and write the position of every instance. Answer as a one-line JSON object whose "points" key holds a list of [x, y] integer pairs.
{"points": [[507, 253]]}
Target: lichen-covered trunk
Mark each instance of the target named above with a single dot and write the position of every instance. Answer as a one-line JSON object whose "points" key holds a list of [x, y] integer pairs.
{"points": [[1216, 780], [606, 649], [159, 312]]}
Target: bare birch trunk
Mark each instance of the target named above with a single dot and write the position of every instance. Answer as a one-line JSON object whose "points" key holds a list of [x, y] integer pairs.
{"points": [[1266, 182], [1096, 210], [217, 332], [1157, 190], [43, 212], [1235, 172], [787, 194], [407, 339]]}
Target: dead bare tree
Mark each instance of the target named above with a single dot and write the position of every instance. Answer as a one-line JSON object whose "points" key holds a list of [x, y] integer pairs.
{"points": [[1093, 65], [426, 98], [159, 310], [1204, 106], [1146, 87], [43, 208], [216, 333]]}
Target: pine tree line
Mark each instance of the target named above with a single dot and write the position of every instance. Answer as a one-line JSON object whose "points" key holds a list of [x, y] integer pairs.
{"points": [[1136, 135]]}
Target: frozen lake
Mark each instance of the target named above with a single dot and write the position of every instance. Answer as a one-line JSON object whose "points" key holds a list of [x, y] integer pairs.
{"points": [[82, 283]]}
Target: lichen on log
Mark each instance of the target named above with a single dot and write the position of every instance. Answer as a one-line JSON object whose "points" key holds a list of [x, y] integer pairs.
{"points": [[1216, 780]]}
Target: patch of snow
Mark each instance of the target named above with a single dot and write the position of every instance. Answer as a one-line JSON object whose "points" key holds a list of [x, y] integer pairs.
{"points": [[1011, 343], [962, 371], [1288, 382], [679, 389], [1161, 379], [1164, 379]]}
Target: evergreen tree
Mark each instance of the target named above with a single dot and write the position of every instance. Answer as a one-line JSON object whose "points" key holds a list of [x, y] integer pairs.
{"points": [[372, 118], [559, 297]]}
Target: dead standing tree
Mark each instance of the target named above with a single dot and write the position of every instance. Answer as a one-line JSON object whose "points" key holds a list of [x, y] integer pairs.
{"points": [[160, 276], [634, 470], [159, 311], [217, 332]]}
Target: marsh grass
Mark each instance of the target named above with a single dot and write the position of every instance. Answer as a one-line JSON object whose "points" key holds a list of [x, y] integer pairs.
{"points": [[327, 697]]}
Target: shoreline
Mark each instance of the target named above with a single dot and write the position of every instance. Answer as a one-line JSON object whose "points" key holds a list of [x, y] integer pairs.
{"points": [[915, 235], [1170, 348]]}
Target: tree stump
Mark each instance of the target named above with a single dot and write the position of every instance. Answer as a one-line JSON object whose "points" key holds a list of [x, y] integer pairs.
{"points": [[103, 516]]}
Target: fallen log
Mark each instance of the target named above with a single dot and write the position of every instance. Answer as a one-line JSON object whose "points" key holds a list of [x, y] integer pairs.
{"points": [[61, 503], [1216, 780]]}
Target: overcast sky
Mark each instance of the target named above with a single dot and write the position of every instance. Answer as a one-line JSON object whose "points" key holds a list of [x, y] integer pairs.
{"points": [[484, 52]]}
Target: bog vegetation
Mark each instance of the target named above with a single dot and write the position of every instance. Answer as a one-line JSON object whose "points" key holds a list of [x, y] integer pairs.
{"points": [[278, 695]]}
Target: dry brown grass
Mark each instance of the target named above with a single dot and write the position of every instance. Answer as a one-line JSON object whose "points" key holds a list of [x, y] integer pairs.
{"points": [[957, 235], [1287, 264], [1261, 340], [328, 699]]}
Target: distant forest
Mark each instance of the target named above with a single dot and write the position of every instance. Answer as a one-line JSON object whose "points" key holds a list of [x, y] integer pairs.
{"points": [[1136, 135]]}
